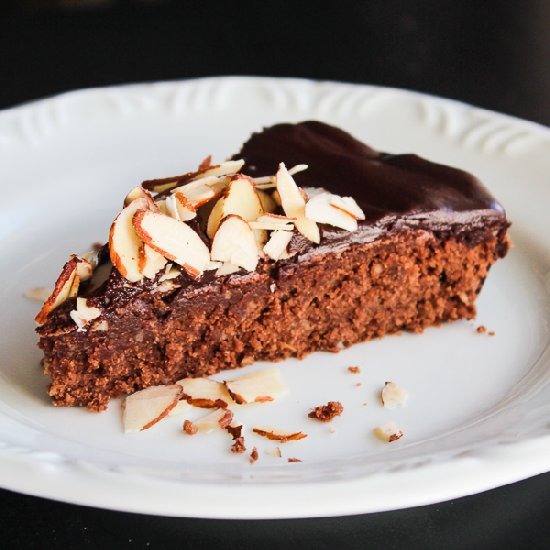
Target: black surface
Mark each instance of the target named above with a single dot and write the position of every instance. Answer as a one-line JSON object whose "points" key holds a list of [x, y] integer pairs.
{"points": [[492, 54]]}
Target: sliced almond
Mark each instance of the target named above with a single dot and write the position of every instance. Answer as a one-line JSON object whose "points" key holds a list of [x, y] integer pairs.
{"points": [[181, 407], [321, 210], [239, 198], [151, 262], [273, 222], [65, 287], [276, 247], [265, 182], [140, 193], [224, 169], [84, 314], [393, 396], [145, 408], [125, 246], [227, 269], [388, 432], [347, 205], [279, 435], [294, 204], [165, 184], [170, 272], [179, 208], [173, 239], [268, 202], [212, 421], [234, 242], [204, 392], [257, 387]]}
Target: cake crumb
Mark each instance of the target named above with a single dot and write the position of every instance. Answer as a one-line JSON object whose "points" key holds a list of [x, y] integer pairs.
{"points": [[293, 459], [481, 329], [325, 413], [354, 370], [238, 445], [189, 428], [358, 385], [491, 333], [226, 419], [253, 455]]}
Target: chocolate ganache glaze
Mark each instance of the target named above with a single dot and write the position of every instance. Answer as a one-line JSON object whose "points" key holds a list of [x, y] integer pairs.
{"points": [[382, 184]]}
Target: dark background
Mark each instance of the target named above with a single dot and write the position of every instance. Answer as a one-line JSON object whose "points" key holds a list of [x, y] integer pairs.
{"points": [[494, 54]]}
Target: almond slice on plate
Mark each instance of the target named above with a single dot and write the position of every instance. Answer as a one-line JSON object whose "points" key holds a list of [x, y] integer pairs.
{"points": [[204, 392], [125, 246], [294, 204], [173, 239], [388, 432], [145, 408], [321, 208], [393, 396], [216, 420], [257, 387], [84, 314], [235, 243], [273, 222], [239, 198], [276, 247], [279, 435], [65, 287]]}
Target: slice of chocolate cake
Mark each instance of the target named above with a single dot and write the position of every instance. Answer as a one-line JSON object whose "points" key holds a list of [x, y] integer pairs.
{"points": [[235, 263]]}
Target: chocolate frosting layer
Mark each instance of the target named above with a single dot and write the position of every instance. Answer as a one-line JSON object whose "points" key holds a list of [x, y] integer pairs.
{"points": [[381, 183]]}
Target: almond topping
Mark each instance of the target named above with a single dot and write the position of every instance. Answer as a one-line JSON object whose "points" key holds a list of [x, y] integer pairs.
{"points": [[273, 222], [65, 287], [234, 243], [321, 209], [294, 204], [279, 435], [276, 247], [140, 193], [239, 198], [347, 205], [173, 239], [125, 246], [145, 408], [259, 387], [393, 396], [83, 314]]}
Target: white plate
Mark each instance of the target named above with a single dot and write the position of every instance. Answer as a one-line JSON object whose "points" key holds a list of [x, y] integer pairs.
{"points": [[478, 414]]}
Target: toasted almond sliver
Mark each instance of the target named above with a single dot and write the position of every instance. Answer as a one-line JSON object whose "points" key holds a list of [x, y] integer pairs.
{"points": [[321, 210], [279, 435], [257, 387]]}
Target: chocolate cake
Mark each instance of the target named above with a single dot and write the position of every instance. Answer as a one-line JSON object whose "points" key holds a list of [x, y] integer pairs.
{"points": [[234, 263]]}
